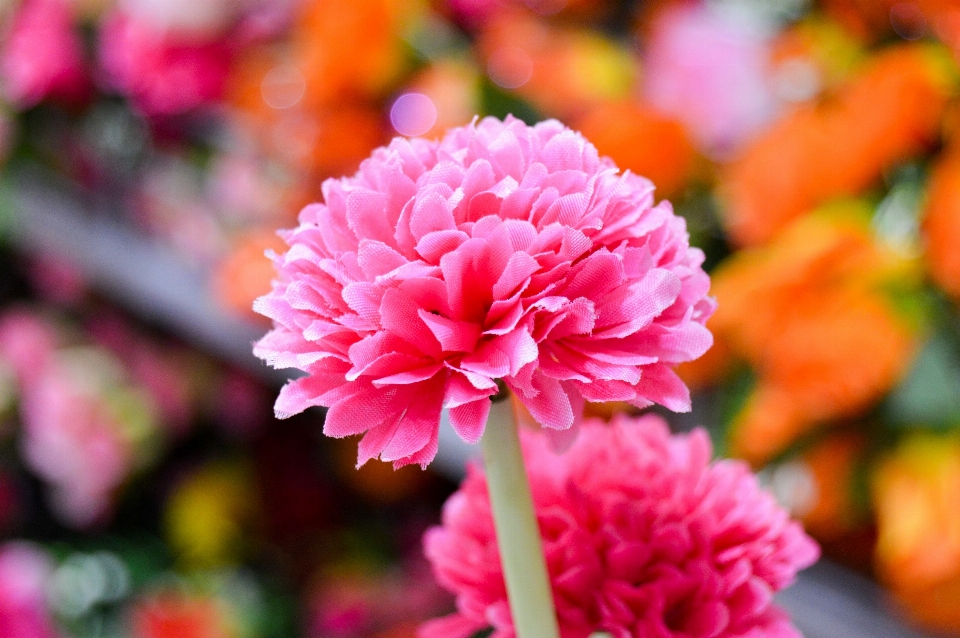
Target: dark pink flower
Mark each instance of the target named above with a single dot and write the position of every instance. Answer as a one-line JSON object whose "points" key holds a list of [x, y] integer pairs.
{"points": [[503, 251], [42, 55], [25, 572], [162, 74], [643, 536]]}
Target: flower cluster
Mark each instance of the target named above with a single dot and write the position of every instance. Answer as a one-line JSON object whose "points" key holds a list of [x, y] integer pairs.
{"points": [[812, 314], [503, 252], [643, 536]]}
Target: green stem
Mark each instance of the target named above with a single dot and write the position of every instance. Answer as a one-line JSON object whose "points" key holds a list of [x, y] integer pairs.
{"points": [[518, 536]]}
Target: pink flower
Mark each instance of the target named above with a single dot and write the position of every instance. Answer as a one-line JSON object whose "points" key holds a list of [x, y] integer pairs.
{"points": [[80, 429], [25, 572], [42, 56], [710, 70], [501, 252], [643, 537], [28, 344], [159, 72]]}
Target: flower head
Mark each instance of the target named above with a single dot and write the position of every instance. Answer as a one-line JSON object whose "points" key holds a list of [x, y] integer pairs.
{"points": [[503, 252], [41, 56], [643, 536], [162, 73], [25, 572], [887, 113], [915, 489], [812, 314]]}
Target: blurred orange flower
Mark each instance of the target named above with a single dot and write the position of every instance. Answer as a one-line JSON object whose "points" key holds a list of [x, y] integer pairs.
{"points": [[246, 273], [874, 18], [347, 49], [809, 313], [562, 71], [941, 223], [915, 492], [641, 140], [888, 112]]}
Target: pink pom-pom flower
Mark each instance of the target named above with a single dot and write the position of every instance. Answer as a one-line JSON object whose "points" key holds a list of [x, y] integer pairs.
{"points": [[644, 537], [502, 252]]}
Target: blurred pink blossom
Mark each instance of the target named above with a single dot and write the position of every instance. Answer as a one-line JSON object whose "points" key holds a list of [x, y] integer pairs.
{"points": [[42, 55], [27, 344], [710, 70], [24, 573], [194, 19], [643, 537], [161, 72], [80, 427], [503, 252]]}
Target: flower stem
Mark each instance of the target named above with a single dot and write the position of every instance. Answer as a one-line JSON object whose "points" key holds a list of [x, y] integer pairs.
{"points": [[518, 536]]}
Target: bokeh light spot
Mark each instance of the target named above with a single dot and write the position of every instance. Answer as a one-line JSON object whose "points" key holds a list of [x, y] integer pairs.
{"points": [[283, 86], [510, 67], [413, 114]]}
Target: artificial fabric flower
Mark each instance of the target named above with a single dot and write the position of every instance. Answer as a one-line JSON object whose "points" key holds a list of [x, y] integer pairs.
{"points": [[41, 55], [503, 252], [643, 536], [812, 315], [887, 113]]}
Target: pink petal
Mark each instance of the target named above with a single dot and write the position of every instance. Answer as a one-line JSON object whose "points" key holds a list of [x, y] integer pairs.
{"points": [[660, 384], [470, 419], [502, 356], [454, 336], [377, 258], [551, 407], [452, 626], [436, 244]]}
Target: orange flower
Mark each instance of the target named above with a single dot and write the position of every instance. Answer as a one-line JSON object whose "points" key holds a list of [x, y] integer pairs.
{"points": [[887, 113], [246, 273], [641, 140], [810, 316], [563, 72], [348, 49], [941, 223], [876, 17], [312, 101], [915, 492]]}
